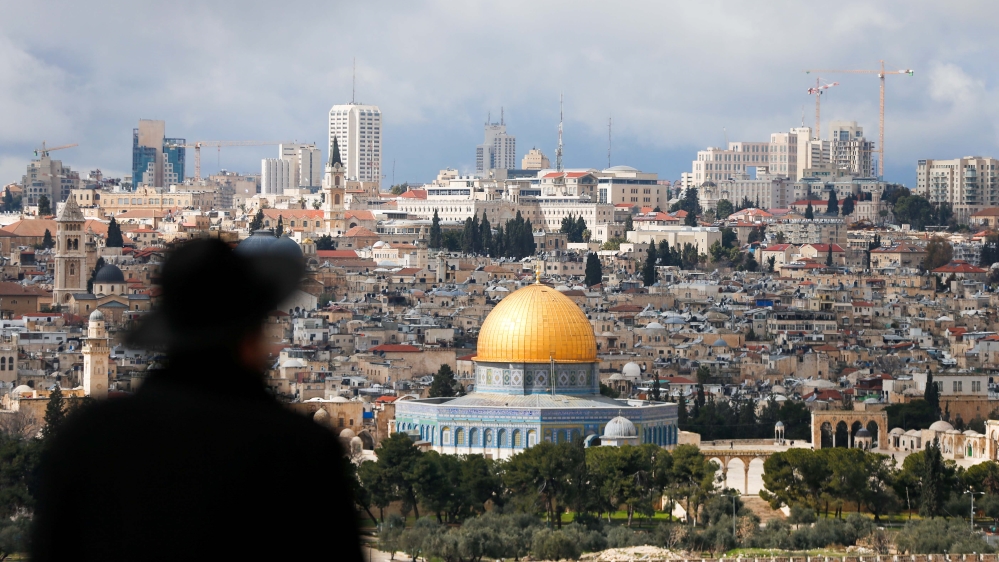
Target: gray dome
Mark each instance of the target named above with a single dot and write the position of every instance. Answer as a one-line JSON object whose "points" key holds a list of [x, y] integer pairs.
{"points": [[779, 424], [620, 427], [97, 316], [862, 432], [632, 370], [285, 245], [109, 274], [258, 242]]}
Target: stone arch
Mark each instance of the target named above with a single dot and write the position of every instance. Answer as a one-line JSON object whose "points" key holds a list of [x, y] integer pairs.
{"points": [[516, 440], [735, 475], [473, 438], [754, 476], [487, 438], [842, 436], [826, 432], [367, 441], [872, 427], [854, 428], [501, 438], [592, 440], [459, 436]]}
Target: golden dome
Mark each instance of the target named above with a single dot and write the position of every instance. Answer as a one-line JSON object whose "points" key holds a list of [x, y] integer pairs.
{"points": [[534, 325]]}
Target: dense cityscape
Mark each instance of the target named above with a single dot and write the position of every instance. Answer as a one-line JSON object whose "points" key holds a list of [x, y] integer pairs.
{"points": [[772, 354]]}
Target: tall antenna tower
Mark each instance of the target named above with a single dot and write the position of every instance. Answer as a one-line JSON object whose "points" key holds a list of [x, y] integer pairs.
{"points": [[353, 82], [558, 151], [502, 122], [608, 142]]}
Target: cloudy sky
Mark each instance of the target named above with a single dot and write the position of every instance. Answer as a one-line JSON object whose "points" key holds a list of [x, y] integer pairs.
{"points": [[674, 76]]}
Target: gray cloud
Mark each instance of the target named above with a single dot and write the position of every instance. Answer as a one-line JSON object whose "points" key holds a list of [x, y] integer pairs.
{"points": [[672, 75]]}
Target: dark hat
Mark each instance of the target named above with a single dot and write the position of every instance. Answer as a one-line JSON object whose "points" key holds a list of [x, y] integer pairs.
{"points": [[213, 295]]}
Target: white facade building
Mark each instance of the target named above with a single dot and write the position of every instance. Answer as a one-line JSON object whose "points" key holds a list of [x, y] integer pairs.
{"points": [[968, 184], [358, 130], [275, 176], [306, 163], [849, 150]]}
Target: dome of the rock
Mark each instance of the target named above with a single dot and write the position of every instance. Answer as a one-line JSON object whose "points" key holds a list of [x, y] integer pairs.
{"points": [[537, 324]]}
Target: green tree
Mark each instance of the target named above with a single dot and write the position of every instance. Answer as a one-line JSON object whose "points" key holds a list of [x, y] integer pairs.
{"points": [[258, 221], [485, 235], [914, 210], [829, 257], [613, 243], [55, 413], [47, 241], [703, 374], [280, 226], [594, 270], [729, 238], [44, 206], [690, 219], [8, 201], [399, 189], [832, 207], [444, 384], [939, 252], [681, 412], [649, 273], [97, 267], [751, 264], [723, 209], [809, 212], [397, 458], [931, 394], [435, 232], [657, 390], [629, 224], [114, 239], [771, 262], [848, 205], [325, 242], [934, 488]]}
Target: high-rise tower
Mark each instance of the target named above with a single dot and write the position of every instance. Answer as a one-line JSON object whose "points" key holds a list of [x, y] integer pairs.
{"points": [[96, 357], [358, 131], [71, 253]]}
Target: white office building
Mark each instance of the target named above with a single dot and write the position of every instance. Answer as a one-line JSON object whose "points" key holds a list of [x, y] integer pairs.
{"points": [[306, 164], [849, 149], [968, 184], [358, 130], [498, 151], [275, 176]]}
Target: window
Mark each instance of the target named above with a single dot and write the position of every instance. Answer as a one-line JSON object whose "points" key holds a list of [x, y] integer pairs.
{"points": [[957, 386]]}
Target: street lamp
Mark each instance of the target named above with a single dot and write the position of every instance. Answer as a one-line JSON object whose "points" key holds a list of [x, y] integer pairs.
{"points": [[733, 496], [971, 515]]}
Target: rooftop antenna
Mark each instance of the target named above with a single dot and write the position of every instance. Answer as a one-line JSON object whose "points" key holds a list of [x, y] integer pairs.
{"points": [[802, 116], [489, 118], [609, 120], [353, 82], [558, 151], [502, 122]]}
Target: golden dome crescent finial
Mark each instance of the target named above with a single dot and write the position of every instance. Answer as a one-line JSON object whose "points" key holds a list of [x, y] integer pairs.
{"points": [[537, 272]]}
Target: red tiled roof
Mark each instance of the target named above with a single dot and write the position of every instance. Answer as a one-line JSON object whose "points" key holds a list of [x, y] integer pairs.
{"points": [[777, 248], [360, 231], [959, 266], [824, 248], [566, 174], [336, 254], [415, 194]]}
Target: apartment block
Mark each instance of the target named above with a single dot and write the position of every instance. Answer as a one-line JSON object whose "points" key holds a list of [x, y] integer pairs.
{"points": [[968, 184]]}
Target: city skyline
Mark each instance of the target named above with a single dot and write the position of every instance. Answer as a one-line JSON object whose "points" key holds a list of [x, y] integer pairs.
{"points": [[670, 93]]}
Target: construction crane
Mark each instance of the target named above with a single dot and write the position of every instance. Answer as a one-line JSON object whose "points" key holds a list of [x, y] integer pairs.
{"points": [[219, 144], [881, 122], [44, 150], [817, 90]]}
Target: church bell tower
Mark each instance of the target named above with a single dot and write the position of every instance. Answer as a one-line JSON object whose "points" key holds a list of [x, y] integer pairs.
{"points": [[71, 254], [335, 190]]}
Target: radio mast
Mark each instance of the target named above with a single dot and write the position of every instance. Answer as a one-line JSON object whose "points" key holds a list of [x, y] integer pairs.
{"points": [[558, 151]]}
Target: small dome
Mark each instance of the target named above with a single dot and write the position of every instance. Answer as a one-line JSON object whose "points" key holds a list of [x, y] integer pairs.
{"points": [[620, 427], [97, 316], [632, 370], [654, 326], [897, 431], [109, 274], [347, 434], [862, 432], [941, 426], [914, 432], [356, 442], [719, 343], [779, 424], [321, 415], [292, 364], [338, 399], [620, 169], [971, 433], [617, 377], [23, 389]]}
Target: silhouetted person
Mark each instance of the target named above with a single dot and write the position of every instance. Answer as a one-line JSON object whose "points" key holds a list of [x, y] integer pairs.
{"points": [[201, 463]]}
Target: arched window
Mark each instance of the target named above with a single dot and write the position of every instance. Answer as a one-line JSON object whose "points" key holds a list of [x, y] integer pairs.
{"points": [[516, 439], [459, 436], [336, 199], [532, 438], [446, 436], [501, 438], [487, 438], [473, 437], [336, 182]]}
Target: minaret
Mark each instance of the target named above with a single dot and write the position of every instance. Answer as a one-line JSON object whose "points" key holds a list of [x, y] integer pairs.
{"points": [[71, 254], [96, 357], [335, 186]]}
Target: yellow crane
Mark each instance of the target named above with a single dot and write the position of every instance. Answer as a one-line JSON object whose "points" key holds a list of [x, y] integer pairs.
{"points": [[44, 150], [219, 144], [881, 122]]}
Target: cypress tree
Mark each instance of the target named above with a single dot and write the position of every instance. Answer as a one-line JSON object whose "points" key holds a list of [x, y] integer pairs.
{"points": [[527, 246], [499, 243], [934, 489], [258, 221], [44, 207], [580, 228], [848, 206], [280, 226], [594, 270], [832, 207], [467, 241], [629, 224], [809, 212], [476, 235], [665, 255], [114, 239], [486, 235], [829, 257], [8, 201], [444, 383], [690, 219], [681, 412], [649, 273], [55, 413], [656, 390], [47, 241], [435, 231], [932, 394]]}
